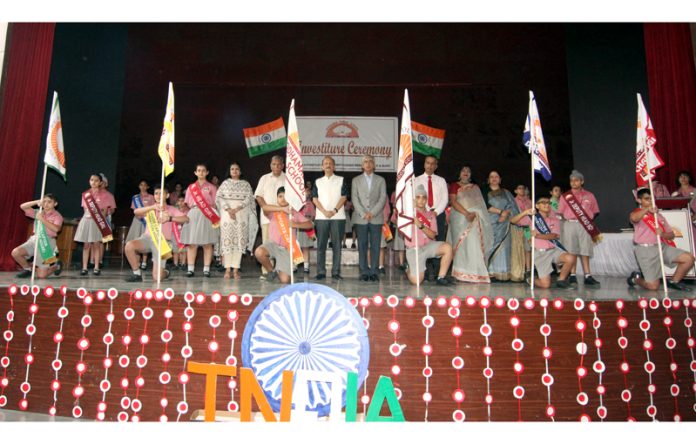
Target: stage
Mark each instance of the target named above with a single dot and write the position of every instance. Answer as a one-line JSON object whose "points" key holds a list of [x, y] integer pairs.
{"points": [[393, 282]]}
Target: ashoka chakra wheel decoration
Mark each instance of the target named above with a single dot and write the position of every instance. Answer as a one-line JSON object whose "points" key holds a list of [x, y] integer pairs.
{"points": [[305, 327]]}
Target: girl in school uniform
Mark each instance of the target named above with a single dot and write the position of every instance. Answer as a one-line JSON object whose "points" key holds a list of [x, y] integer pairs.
{"points": [[203, 227], [137, 227], [88, 231]]}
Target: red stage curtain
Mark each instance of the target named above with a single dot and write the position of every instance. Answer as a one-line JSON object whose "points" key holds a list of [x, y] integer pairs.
{"points": [[672, 89], [28, 64]]}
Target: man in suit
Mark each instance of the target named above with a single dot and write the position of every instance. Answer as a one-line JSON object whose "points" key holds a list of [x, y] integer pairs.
{"points": [[369, 195]]}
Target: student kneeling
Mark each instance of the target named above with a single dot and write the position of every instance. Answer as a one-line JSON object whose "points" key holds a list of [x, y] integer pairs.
{"points": [[278, 244], [146, 244], [547, 229], [645, 248], [426, 231]]}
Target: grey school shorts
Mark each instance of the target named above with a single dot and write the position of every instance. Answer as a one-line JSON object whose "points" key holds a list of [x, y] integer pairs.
{"points": [[280, 254], [649, 259], [425, 252], [575, 239], [29, 248], [543, 260]]}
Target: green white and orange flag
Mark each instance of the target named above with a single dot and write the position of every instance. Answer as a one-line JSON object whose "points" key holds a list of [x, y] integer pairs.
{"points": [[265, 138], [166, 143], [55, 152], [426, 140]]}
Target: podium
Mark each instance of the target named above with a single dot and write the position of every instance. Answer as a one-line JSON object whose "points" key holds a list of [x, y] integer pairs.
{"points": [[677, 212]]}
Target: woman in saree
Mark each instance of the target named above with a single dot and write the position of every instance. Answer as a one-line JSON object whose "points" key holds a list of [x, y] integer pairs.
{"points": [[234, 200], [501, 207], [470, 232]]}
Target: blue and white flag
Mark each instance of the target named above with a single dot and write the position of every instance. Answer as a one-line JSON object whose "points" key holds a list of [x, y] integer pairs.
{"points": [[533, 139]]}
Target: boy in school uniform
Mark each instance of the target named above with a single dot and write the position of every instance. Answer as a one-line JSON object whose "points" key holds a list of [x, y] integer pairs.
{"points": [[277, 245], [52, 223], [579, 208], [146, 244], [424, 241], [547, 249], [645, 234]]}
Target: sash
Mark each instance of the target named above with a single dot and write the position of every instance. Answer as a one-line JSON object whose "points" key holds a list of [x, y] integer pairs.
{"points": [[95, 212], [203, 205], [584, 220], [44, 244], [138, 203], [649, 220], [176, 230], [543, 228], [165, 252], [386, 232], [281, 219], [310, 232]]}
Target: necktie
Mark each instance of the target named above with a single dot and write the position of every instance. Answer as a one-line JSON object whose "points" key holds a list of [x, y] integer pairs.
{"points": [[430, 192]]}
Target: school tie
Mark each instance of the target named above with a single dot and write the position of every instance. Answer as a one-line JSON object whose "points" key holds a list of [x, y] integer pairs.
{"points": [[430, 192]]}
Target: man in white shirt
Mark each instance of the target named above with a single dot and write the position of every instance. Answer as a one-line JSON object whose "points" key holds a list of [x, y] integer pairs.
{"points": [[266, 194], [438, 198], [368, 195], [329, 194]]}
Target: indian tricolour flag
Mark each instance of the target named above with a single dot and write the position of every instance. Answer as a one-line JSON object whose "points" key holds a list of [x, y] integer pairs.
{"points": [[426, 140], [55, 152], [265, 138]]}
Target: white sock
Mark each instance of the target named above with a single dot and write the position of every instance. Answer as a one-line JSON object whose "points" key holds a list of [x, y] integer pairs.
{"points": [[190, 267], [206, 269], [137, 272]]}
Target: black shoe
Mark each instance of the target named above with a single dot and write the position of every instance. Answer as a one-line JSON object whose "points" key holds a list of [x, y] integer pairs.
{"points": [[24, 274], [364, 277], [320, 277], [190, 274], [97, 271], [442, 281], [337, 277], [562, 283], [206, 274], [402, 267], [677, 286], [134, 278], [572, 279], [84, 272], [381, 270], [631, 280], [59, 269], [589, 280], [374, 278], [167, 273], [143, 266], [272, 276]]}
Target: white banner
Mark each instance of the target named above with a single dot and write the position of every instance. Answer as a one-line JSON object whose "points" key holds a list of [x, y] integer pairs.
{"points": [[347, 140]]}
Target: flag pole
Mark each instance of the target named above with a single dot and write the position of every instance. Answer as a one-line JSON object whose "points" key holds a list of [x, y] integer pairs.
{"points": [[415, 233], [292, 263], [657, 225], [36, 241], [531, 238], [159, 236]]}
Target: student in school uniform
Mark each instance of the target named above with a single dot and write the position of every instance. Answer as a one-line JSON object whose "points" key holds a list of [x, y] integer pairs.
{"points": [[93, 232], [425, 234], [579, 208], [52, 223], [278, 244], [645, 234], [146, 244], [137, 227], [545, 237], [202, 230], [105, 189]]}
